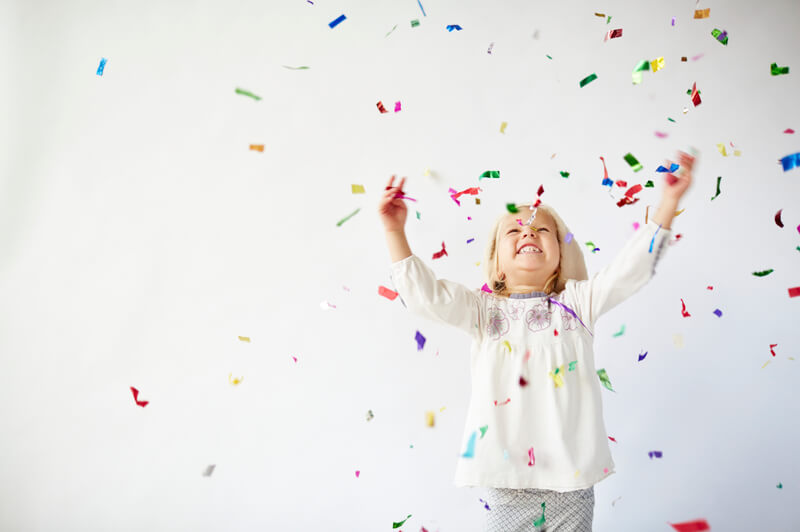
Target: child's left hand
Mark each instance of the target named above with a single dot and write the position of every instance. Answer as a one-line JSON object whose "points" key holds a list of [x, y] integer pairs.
{"points": [[676, 185]]}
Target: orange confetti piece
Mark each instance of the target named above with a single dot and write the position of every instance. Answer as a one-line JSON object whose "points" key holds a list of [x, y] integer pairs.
{"points": [[257, 147]]}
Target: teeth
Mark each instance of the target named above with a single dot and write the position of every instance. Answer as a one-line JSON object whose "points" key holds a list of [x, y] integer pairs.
{"points": [[529, 249]]}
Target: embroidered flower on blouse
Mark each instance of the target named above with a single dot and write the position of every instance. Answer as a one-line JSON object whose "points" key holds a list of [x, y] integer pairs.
{"points": [[497, 324], [538, 318], [515, 310], [568, 321]]}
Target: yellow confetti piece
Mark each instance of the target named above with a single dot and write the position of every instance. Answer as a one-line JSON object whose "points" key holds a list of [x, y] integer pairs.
{"points": [[721, 148], [357, 189], [503, 127], [677, 339], [702, 13], [765, 364], [257, 147], [427, 172], [578, 472], [558, 380], [791, 358], [677, 213], [429, 418], [477, 201], [244, 338], [508, 345], [737, 152], [442, 409], [657, 64], [235, 381]]}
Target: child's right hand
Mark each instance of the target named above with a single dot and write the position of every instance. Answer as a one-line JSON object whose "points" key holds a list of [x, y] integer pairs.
{"points": [[393, 212]]}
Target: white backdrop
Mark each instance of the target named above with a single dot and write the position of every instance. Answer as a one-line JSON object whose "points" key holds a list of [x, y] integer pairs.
{"points": [[141, 237]]}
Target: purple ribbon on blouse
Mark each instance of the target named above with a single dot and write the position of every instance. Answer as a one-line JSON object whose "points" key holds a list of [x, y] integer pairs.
{"points": [[571, 312]]}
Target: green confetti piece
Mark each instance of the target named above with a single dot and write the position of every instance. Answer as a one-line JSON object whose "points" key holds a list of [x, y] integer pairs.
{"points": [[719, 33], [247, 93], [621, 332], [490, 173], [548, 56], [604, 379], [779, 486], [631, 160], [572, 365], [539, 522], [649, 184], [483, 430], [557, 370], [775, 70], [395, 27], [689, 92], [719, 179], [798, 248], [588, 79], [564, 174], [671, 120], [609, 20], [343, 220], [511, 207], [297, 68], [763, 273], [398, 525], [642, 66], [417, 215], [414, 23]]}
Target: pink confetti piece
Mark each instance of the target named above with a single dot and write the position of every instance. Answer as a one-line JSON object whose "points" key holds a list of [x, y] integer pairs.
{"points": [[661, 135], [568, 238], [531, 458], [698, 56], [294, 358], [612, 439], [388, 294], [397, 107], [358, 473], [503, 403], [635, 226], [789, 131], [486, 288]]}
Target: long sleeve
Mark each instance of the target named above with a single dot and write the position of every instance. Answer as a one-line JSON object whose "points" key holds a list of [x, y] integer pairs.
{"points": [[437, 299], [631, 269]]}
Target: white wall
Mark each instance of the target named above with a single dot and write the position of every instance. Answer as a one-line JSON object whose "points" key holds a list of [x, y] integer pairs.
{"points": [[140, 237]]}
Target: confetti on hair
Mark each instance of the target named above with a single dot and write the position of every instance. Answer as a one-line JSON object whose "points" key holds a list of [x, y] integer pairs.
{"points": [[531, 457], [656, 454], [451, 27], [440, 254], [470, 452], [604, 379], [540, 521], [794, 292], [399, 524], [588, 79], [695, 95], [136, 398], [495, 174], [620, 332], [641, 356], [209, 470], [613, 34], [420, 340], [763, 273], [791, 161], [343, 220], [102, 66], [388, 294], [684, 312], [718, 312], [720, 35], [568, 238], [247, 93], [338, 20], [719, 179], [698, 525], [631, 160], [702, 13]]}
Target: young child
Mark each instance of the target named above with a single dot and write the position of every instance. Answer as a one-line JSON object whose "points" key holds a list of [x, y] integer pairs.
{"points": [[534, 434]]}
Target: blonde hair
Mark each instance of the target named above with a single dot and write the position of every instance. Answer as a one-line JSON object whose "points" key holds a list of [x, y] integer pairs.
{"points": [[576, 269]]}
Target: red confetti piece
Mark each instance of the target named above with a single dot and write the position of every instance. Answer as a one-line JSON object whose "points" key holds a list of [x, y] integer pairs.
{"points": [[555, 332], [388, 294], [440, 254], [473, 191], [695, 95], [794, 292], [612, 439], [778, 218], [538, 196], [709, 287], [677, 238], [683, 310], [771, 350], [503, 403], [381, 108], [136, 398], [522, 381], [691, 526], [527, 355], [628, 198], [621, 183], [790, 131]]}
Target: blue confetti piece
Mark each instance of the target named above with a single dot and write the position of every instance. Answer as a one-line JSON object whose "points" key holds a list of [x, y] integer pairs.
{"points": [[607, 182], [101, 66], [422, 8], [420, 341], [654, 238], [337, 21], [470, 452], [672, 168], [451, 27], [791, 161], [718, 312]]}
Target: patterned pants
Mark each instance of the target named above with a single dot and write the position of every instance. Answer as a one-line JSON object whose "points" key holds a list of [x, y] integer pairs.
{"points": [[513, 510]]}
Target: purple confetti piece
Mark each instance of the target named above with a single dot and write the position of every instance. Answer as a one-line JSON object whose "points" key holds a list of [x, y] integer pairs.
{"points": [[718, 312], [420, 341], [673, 21], [485, 504], [470, 240], [568, 237], [572, 312], [657, 454], [641, 356]]}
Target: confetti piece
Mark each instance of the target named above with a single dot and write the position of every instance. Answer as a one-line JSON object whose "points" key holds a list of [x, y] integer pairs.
{"points": [[588, 79], [470, 240], [641, 356], [628, 198], [673, 21], [490, 173], [294, 358], [209, 470], [772, 350], [343, 220], [661, 135], [572, 365], [102, 66], [695, 95], [671, 169], [420, 341], [719, 179], [381, 107], [440, 254], [357, 189], [709, 287], [621, 183], [336, 21], [691, 526], [326, 306], [604, 379], [414, 23], [718, 312], [555, 332], [656, 454], [641, 66], [508, 345], [257, 147], [568, 238], [620, 333], [720, 35], [522, 381], [486, 288], [429, 419], [470, 452], [613, 34], [635, 226], [794, 292], [649, 184], [615, 500], [503, 130], [388, 294], [491, 45], [564, 174], [606, 180], [531, 457], [297, 68], [558, 380], [539, 522], [398, 525], [397, 107], [244, 338], [486, 504], [765, 364], [247, 93], [548, 56], [684, 313], [236, 381], [789, 131], [763, 273], [631, 160], [601, 15], [358, 473], [370, 415], [503, 403], [721, 149], [702, 13], [451, 27], [779, 486], [791, 161], [422, 8], [511, 207], [657, 64], [390, 32], [136, 398], [483, 430]]}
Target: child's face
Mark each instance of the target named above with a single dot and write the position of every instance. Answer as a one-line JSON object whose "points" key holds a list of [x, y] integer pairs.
{"points": [[527, 255]]}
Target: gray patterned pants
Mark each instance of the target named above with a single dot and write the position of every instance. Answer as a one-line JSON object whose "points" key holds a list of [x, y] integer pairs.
{"points": [[512, 510]]}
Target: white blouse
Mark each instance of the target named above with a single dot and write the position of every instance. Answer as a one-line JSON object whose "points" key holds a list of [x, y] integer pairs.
{"points": [[535, 415]]}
